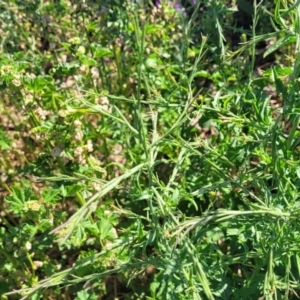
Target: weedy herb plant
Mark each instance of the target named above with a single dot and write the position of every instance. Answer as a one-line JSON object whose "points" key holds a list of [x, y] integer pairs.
{"points": [[150, 150]]}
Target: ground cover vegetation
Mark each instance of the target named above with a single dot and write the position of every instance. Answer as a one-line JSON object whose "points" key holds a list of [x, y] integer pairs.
{"points": [[149, 150]]}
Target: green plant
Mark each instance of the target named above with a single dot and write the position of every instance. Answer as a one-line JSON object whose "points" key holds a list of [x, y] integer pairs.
{"points": [[141, 155]]}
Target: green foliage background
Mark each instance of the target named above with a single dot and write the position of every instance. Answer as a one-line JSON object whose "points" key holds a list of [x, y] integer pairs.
{"points": [[149, 151]]}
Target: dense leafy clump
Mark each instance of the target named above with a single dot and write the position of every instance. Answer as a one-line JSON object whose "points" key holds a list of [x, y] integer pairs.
{"points": [[149, 150]]}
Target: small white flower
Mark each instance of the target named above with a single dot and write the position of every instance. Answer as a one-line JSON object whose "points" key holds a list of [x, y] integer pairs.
{"points": [[95, 73], [56, 151], [89, 146], [77, 123], [78, 151], [78, 135], [37, 264], [28, 246]]}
